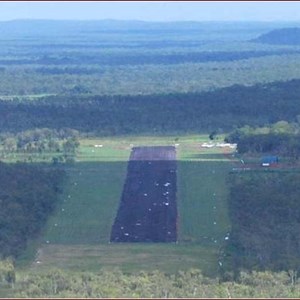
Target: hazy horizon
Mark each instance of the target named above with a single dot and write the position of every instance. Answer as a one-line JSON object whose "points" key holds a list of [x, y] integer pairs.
{"points": [[160, 11], [144, 21]]}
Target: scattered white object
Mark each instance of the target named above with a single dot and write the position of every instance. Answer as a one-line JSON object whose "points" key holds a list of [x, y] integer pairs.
{"points": [[38, 262], [169, 232], [226, 238], [47, 242], [149, 209], [206, 145], [122, 227], [138, 224], [98, 146], [220, 264], [167, 203], [222, 145], [55, 224], [167, 184], [215, 241], [215, 223], [126, 233], [69, 196], [156, 183], [62, 209], [145, 195], [176, 145]]}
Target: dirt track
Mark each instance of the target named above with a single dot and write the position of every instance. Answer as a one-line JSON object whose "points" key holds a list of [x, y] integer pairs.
{"points": [[160, 153], [148, 210]]}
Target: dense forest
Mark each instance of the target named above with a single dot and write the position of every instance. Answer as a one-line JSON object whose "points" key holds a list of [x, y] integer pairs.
{"points": [[142, 59], [131, 58], [281, 138], [28, 194], [263, 205], [223, 109], [265, 216]]}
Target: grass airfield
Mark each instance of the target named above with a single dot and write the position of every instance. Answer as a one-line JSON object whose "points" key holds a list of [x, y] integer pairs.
{"points": [[77, 235]]}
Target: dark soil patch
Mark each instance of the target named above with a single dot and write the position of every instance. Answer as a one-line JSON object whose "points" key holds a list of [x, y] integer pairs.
{"points": [[148, 210]]}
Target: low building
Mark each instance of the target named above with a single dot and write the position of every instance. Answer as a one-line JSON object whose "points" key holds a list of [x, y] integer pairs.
{"points": [[268, 161]]}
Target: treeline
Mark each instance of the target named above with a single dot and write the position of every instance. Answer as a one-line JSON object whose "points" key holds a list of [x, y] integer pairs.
{"points": [[265, 216], [281, 138], [223, 109], [28, 194], [119, 59], [41, 144], [150, 284], [40, 140]]}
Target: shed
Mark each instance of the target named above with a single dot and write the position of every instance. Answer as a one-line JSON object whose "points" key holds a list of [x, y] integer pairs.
{"points": [[267, 161]]}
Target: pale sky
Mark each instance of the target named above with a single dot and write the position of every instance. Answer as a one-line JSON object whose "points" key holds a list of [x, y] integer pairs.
{"points": [[152, 10]]}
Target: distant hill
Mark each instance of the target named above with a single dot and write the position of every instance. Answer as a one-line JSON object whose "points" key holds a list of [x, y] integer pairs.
{"points": [[284, 36]]}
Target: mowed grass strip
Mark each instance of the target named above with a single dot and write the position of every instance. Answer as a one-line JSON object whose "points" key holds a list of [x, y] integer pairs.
{"points": [[202, 203], [88, 205], [77, 236], [168, 258]]}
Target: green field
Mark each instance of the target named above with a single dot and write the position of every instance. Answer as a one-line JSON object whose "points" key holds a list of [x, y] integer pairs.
{"points": [[77, 235]]}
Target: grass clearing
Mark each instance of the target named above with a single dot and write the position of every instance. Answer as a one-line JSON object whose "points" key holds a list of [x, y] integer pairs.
{"points": [[129, 257], [77, 235], [89, 202], [202, 202]]}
